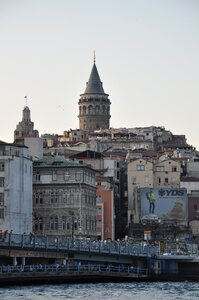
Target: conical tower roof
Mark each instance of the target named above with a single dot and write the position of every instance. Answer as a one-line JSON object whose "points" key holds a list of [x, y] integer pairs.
{"points": [[94, 84]]}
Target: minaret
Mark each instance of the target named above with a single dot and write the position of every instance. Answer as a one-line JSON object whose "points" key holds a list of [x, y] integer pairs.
{"points": [[94, 104]]}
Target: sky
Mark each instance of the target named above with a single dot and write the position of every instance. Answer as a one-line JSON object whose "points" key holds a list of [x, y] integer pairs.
{"points": [[147, 56]]}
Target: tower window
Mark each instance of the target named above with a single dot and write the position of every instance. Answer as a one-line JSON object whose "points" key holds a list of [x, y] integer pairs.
{"points": [[2, 166]]}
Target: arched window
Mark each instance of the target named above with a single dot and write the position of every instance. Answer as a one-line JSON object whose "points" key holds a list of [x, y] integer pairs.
{"points": [[64, 222], [53, 197], [97, 109], [53, 223], [84, 110], [90, 109], [38, 223]]}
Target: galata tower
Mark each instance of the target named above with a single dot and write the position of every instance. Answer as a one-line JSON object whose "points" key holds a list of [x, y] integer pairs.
{"points": [[94, 104]]}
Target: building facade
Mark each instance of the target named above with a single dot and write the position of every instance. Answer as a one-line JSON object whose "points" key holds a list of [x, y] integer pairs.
{"points": [[105, 223], [64, 198], [149, 173], [15, 189]]}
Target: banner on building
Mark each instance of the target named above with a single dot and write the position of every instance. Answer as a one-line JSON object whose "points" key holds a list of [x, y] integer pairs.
{"points": [[164, 204]]}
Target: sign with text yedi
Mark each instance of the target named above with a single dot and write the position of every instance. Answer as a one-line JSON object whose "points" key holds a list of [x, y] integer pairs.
{"points": [[165, 204]]}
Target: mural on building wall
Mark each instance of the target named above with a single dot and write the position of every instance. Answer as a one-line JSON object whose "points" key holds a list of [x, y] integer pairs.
{"points": [[163, 204]]}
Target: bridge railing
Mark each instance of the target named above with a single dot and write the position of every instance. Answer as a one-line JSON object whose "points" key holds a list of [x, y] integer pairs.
{"points": [[71, 267], [60, 243], [31, 241]]}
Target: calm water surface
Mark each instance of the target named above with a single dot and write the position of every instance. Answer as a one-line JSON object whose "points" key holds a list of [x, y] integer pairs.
{"points": [[99, 291]]}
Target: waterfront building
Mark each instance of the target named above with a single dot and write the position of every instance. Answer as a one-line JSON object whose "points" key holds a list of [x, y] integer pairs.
{"points": [[15, 188], [94, 104], [64, 198]]}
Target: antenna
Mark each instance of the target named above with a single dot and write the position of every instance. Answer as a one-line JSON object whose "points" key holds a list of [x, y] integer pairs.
{"points": [[94, 57], [26, 100]]}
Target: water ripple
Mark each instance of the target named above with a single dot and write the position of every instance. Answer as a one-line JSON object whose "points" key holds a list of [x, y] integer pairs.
{"points": [[111, 291]]}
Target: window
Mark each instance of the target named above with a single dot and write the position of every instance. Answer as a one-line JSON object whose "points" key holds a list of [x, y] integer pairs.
{"points": [[37, 176], [78, 176], [1, 199], [2, 213], [38, 197], [146, 179], [174, 169], [133, 180], [1, 181], [86, 177], [195, 207], [99, 211], [159, 168], [75, 225], [99, 223], [38, 223], [66, 176], [159, 180], [166, 180], [71, 198], [54, 223], [2, 167], [54, 176], [87, 223], [63, 223], [140, 167], [53, 197]]}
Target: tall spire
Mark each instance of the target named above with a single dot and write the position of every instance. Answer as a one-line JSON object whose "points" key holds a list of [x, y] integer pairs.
{"points": [[94, 57], [94, 84], [94, 104], [26, 100]]}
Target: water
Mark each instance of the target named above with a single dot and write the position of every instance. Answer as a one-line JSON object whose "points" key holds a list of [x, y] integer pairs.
{"points": [[124, 291]]}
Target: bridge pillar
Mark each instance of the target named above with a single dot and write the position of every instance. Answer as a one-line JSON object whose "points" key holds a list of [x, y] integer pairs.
{"points": [[14, 261]]}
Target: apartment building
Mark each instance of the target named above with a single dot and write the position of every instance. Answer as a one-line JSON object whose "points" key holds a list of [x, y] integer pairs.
{"points": [[105, 224], [15, 189], [149, 173]]}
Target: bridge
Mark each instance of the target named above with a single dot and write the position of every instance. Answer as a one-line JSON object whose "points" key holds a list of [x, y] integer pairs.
{"points": [[32, 247], [99, 259]]}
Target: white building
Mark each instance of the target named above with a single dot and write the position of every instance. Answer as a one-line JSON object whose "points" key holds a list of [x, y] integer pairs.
{"points": [[15, 188]]}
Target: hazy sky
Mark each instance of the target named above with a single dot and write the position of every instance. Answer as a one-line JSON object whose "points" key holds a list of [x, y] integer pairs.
{"points": [[147, 55]]}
